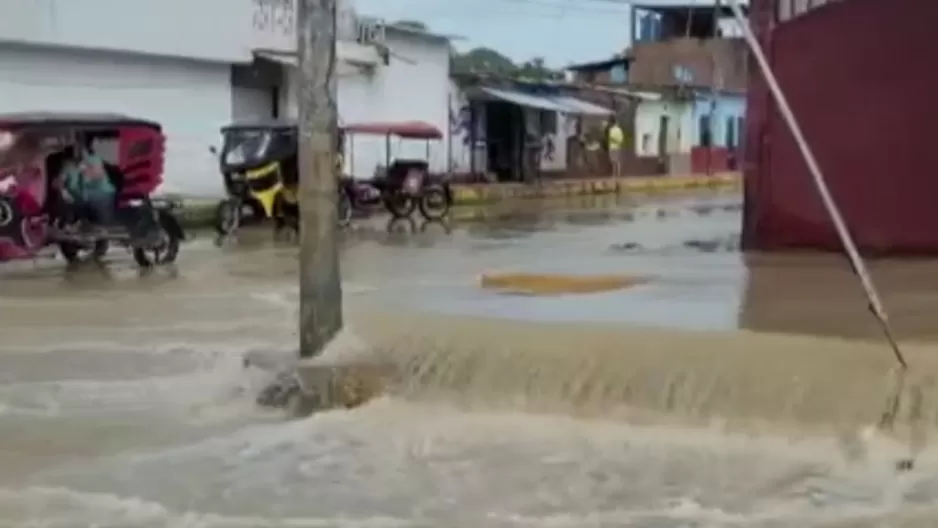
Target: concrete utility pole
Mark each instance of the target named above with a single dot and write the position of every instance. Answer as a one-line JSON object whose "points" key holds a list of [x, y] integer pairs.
{"points": [[320, 287]]}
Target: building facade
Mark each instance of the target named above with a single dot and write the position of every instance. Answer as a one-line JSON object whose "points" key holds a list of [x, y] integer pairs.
{"points": [[689, 74], [719, 119], [664, 127], [514, 131], [399, 74]]}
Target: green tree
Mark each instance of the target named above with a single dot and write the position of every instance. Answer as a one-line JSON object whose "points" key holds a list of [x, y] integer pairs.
{"points": [[537, 69], [484, 61]]}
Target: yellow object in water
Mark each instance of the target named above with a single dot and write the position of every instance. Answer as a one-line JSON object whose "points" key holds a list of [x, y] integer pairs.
{"points": [[558, 284]]}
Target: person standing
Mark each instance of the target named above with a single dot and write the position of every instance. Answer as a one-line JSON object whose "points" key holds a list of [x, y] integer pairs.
{"points": [[615, 141]]}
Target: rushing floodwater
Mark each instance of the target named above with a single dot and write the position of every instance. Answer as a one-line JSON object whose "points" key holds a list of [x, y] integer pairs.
{"points": [[123, 401]]}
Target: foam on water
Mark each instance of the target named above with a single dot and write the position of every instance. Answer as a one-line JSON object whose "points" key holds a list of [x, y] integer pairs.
{"points": [[69, 508], [203, 376], [400, 464]]}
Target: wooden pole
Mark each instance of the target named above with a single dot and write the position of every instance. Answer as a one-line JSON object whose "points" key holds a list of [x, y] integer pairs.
{"points": [[320, 286]]}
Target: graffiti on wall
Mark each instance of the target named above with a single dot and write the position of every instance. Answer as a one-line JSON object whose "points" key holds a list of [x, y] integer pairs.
{"points": [[461, 127], [460, 121], [275, 16]]}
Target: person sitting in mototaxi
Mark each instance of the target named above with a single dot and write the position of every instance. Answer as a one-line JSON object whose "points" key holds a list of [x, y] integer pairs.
{"points": [[86, 184], [64, 203]]}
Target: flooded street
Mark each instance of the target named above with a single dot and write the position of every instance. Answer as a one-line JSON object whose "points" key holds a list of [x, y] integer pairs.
{"points": [[729, 391]]}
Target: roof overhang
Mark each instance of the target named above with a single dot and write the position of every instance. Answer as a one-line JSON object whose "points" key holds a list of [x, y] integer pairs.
{"points": [[598, 65], [564, 104], [347, 52], [581, 107], [641, 95], [520, 98]]}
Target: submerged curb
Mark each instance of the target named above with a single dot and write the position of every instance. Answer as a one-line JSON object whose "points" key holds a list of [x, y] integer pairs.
{"points": [[485, 193], [198, 213]]}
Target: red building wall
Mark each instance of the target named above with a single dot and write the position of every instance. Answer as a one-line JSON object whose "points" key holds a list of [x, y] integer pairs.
{"points": [[862, 80]]}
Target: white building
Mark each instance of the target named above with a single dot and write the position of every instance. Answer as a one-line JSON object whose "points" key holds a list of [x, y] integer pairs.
{"points": [[520, 130], [663, 127], [403, 77], [197, 65]]}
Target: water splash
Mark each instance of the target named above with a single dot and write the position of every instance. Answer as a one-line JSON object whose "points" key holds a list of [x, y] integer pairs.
{"points": [[604, 371], [426, 465]]}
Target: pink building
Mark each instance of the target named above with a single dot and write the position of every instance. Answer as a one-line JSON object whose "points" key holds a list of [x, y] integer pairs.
{"points": [[860, 76]]}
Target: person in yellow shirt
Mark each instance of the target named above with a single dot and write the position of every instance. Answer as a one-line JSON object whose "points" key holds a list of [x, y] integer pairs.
{"points": [[615, 140]]}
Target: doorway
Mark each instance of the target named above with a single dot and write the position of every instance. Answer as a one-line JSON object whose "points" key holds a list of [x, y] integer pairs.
{"points": [[664, 126], [504, 133]]}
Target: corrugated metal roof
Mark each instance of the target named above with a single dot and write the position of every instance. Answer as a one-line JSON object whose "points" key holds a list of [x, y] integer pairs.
{"points": [[637, 94], [556, 103], [422, 33], [580, 107], [524, 99]]}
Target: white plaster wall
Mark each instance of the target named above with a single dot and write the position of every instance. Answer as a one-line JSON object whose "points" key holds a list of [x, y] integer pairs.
{"points": [[648, 122], [460, 128], [414, 86], [191, 99], [214, 30]]}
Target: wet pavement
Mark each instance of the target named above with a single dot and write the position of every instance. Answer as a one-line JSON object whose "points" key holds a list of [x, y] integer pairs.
{"points": [[123, 401]]}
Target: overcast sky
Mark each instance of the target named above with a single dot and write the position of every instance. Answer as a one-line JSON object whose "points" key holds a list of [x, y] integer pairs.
{"points": [[562, 31]]}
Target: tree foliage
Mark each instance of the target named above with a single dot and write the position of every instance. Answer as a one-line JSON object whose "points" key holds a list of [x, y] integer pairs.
{"points": [[488, 61], [483, 61]]}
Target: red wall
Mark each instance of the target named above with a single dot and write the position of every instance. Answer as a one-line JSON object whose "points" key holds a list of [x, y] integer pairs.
{"points": [[862, 79]]}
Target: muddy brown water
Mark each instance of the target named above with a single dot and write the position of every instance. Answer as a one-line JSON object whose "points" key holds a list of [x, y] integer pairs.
{"points": [[730, 392]]}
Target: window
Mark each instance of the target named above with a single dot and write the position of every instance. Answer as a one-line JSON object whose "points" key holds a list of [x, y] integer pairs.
{"points": [[705, 138], [618, 75]]}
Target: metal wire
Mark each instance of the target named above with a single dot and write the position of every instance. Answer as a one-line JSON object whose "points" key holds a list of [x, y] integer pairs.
{"points": [[856, 261]]}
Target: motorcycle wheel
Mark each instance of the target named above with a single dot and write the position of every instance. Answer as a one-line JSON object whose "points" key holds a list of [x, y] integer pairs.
{"points": [[227, 217], [285, 215], [434, 203], [166, 252], [74, 253], [400, 205]]}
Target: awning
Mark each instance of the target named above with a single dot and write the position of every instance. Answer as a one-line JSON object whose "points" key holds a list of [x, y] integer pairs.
{"points": [[526, 100], [560, 103], [580, 107]]}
